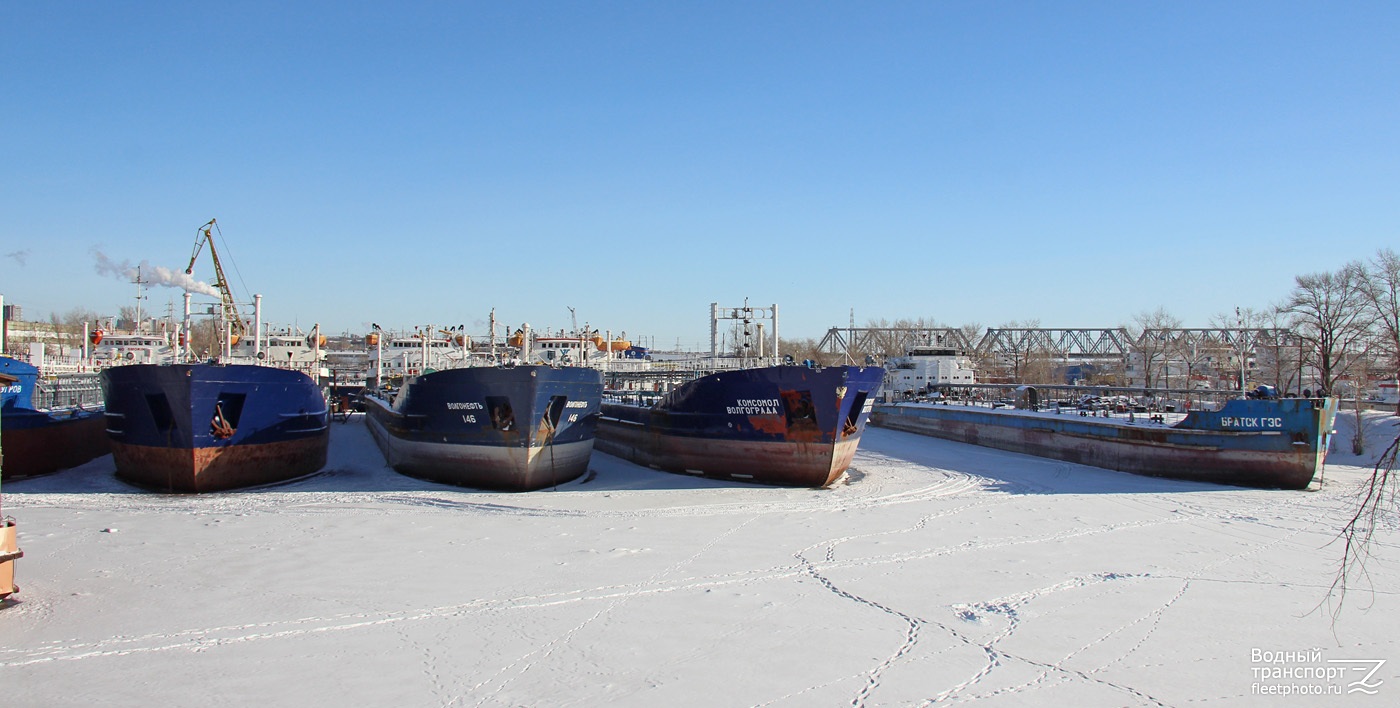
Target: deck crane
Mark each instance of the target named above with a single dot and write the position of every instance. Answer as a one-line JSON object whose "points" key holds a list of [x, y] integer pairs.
{"points": [[236, 328]]}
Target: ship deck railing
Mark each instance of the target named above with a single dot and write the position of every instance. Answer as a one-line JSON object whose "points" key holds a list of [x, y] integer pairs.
{"points": [[1142, 415], [68, 391], [1137, 404]]}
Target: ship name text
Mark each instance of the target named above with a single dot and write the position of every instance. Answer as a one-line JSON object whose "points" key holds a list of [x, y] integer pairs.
{"points": [[753, 406], [1251, 423]]}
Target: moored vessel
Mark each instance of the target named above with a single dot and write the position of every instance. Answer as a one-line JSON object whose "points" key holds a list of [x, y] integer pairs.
{"points": [[512, 428], [211, 427], [9, 533], [478, 419], [785, 425], [50, 423], [228, 422], [1260, 441]]}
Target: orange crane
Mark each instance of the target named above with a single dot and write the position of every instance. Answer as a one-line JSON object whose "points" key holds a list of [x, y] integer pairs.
{"points": [[230, 311]]}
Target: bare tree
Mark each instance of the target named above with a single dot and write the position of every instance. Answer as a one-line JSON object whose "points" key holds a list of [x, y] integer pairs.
{"points": [[1018, 351], [972, 334], [1375, 502], [803, 349], [1283, 363], [1190, 352], [1380, 285], [1328, 311], [1152, 346], [1238, 353], [204, 338]]}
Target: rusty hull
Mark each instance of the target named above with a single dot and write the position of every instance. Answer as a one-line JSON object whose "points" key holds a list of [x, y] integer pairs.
{"points": [[797, 464], [219, 468], [783, 425], [58, 444]]}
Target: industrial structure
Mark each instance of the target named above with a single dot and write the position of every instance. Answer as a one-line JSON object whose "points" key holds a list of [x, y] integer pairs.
{"points": [[1214, 357]]}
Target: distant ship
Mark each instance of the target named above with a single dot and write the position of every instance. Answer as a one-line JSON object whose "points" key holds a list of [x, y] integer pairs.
{"points": [[784, 425], [478, 419], [48, 423]]}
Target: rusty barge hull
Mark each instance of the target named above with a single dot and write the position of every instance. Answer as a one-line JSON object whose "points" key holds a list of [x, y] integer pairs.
{"points": [[795, 464], [1229, 446], [39, 440], [780, 425], [37, 443], [212, 427], [511, 428]]}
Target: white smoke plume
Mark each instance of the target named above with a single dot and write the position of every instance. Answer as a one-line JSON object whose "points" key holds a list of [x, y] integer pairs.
{"points": [[152, 275]]}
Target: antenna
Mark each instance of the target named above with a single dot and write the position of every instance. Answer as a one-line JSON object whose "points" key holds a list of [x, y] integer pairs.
{"points": [[139, 297]]}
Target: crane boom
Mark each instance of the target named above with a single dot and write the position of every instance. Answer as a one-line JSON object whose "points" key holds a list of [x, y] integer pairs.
{"points": [[230, 310]]}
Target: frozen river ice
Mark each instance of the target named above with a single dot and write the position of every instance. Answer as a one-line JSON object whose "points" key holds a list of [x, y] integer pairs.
{"points": [[935, 573]]}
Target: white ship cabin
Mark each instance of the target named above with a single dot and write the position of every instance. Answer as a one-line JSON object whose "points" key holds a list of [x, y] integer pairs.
{"points": [[291, 349], [411, 356], [925, 367], [121, 349], [589, 349], [556, 349]]}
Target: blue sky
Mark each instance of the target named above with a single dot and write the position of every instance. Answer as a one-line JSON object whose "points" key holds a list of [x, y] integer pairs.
{"points": [[968, 162]]}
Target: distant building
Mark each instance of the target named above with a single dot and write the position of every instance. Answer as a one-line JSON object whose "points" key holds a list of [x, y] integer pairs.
{"points": [[57, 339]]}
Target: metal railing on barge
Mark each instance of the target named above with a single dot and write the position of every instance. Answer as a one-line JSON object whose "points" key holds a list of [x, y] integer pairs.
{"points": [[1161, 404], [67, 391]]}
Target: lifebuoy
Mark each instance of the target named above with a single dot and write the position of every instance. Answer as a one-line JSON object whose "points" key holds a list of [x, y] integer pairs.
{"points": [[412, 372], [130, 356]]}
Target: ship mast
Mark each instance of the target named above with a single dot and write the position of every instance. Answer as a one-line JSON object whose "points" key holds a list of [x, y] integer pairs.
{"points": [[139, 282]]}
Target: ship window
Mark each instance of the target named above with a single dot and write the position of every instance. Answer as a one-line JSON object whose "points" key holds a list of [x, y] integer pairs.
{"points": [[502, 416], [160, 412]]}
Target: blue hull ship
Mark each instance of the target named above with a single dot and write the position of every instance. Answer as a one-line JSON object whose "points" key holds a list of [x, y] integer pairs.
{"points": [[39, 437], [1279, 443], [213, 427], [511, 428], [782, 425]]}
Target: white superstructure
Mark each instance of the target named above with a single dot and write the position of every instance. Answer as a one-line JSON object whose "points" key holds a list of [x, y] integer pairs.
{"points": [[925, 367]]}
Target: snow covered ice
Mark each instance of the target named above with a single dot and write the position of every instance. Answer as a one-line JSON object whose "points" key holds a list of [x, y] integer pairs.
{"points": [[935, 573]]}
